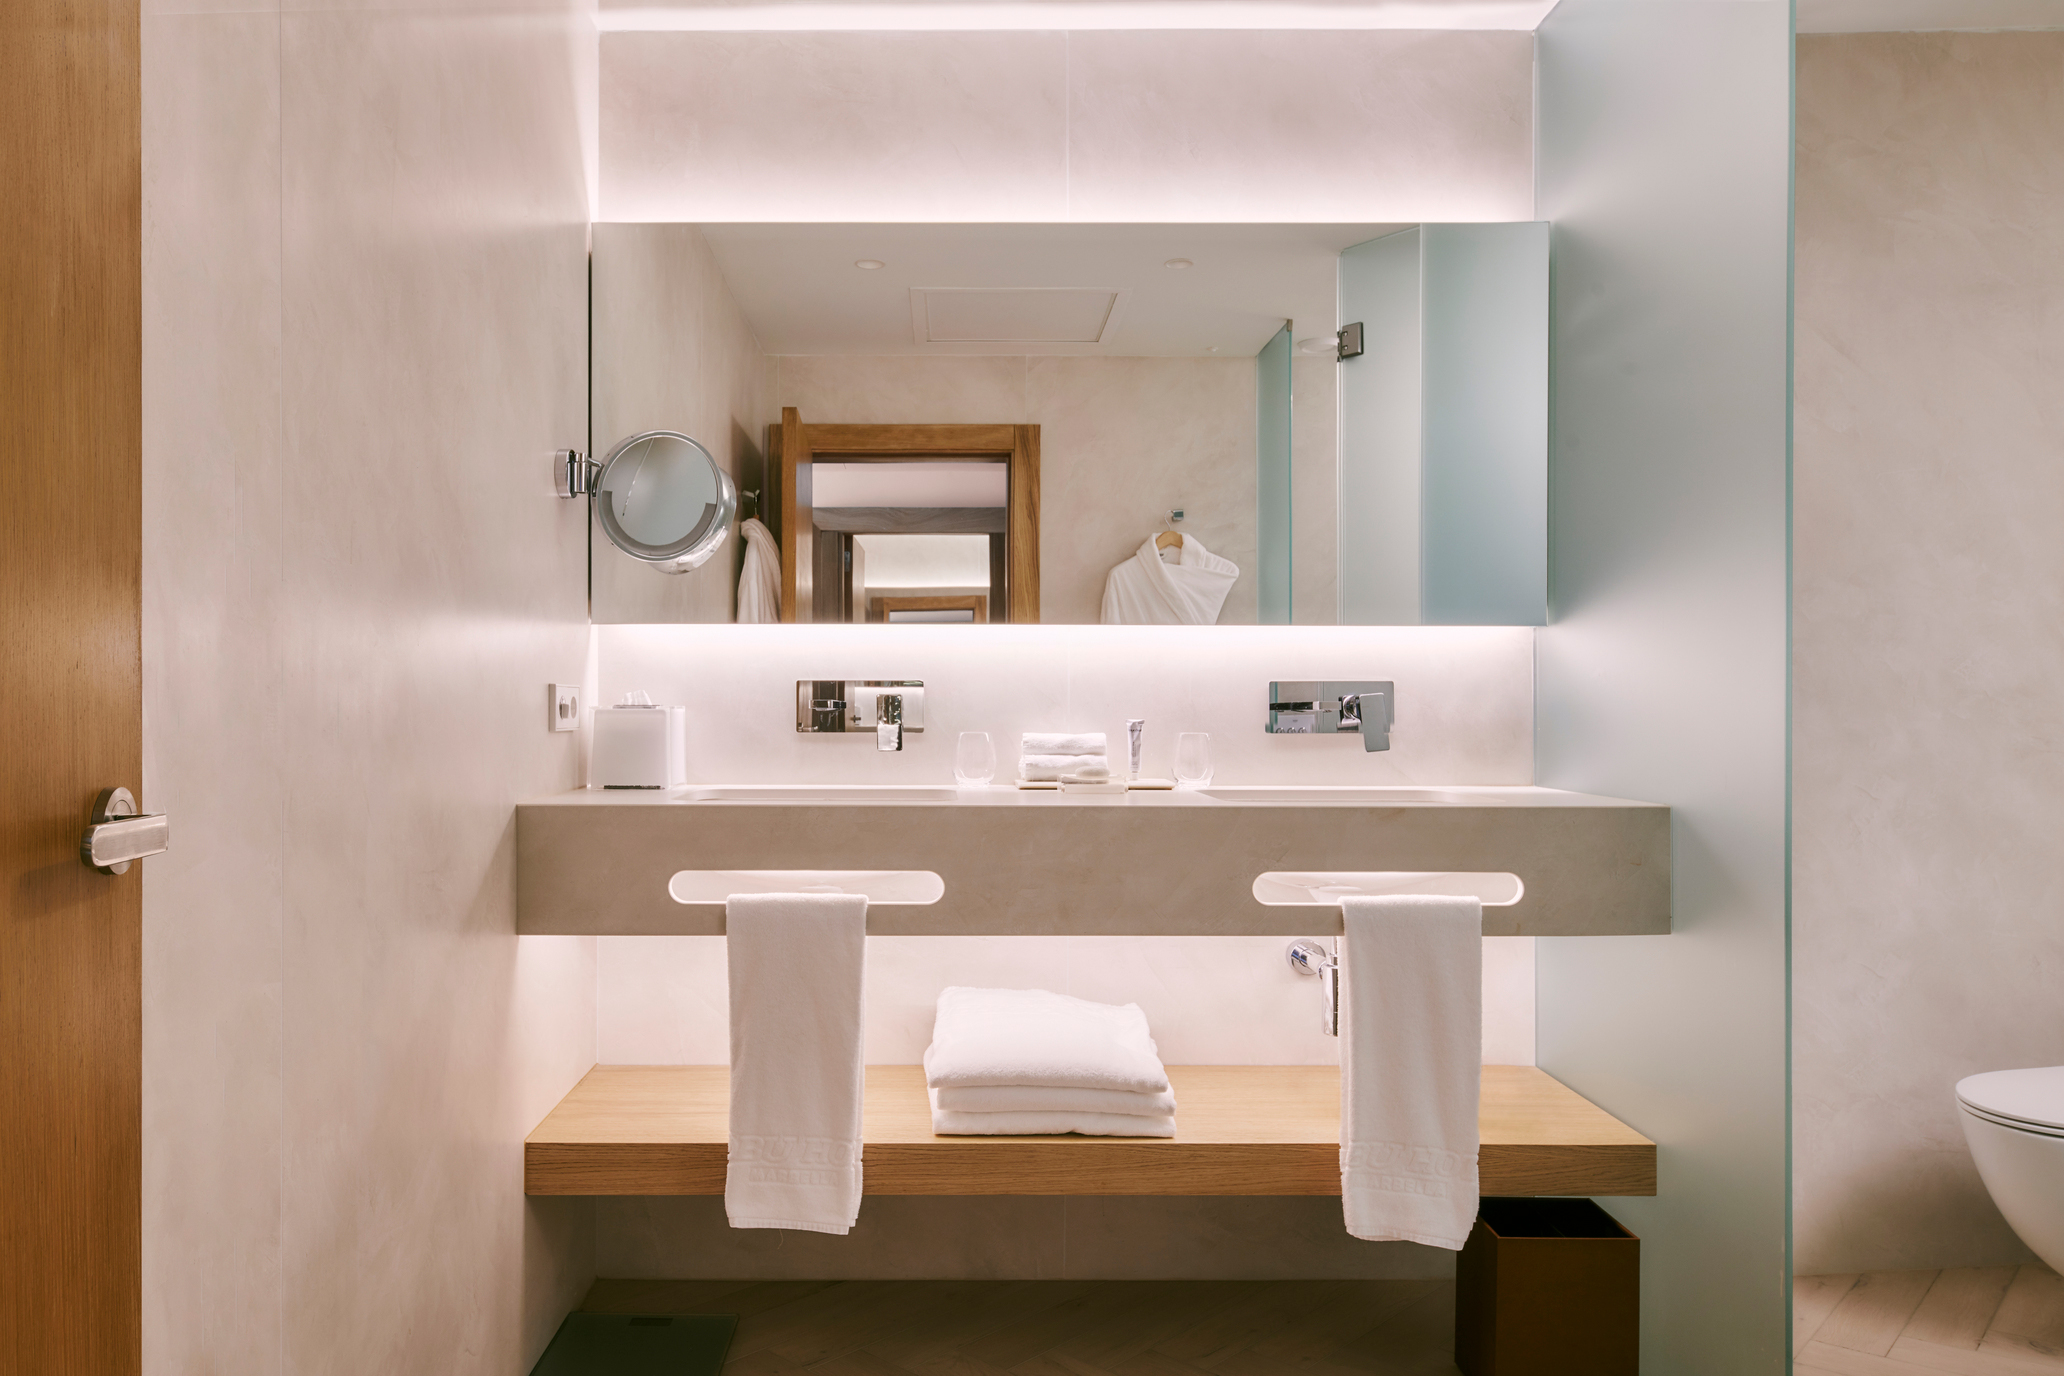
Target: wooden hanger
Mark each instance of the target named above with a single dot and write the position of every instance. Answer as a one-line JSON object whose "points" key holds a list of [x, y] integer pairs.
{"points": [[1168, 539]]}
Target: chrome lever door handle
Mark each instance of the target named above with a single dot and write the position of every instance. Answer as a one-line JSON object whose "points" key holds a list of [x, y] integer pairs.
{"points": [[117, 833]]}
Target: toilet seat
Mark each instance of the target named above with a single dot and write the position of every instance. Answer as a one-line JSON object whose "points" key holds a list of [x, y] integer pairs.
{"points": [[2030, 1100]]}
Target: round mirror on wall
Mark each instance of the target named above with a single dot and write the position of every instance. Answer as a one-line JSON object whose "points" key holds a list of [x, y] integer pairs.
{"points": [[662, 498]]}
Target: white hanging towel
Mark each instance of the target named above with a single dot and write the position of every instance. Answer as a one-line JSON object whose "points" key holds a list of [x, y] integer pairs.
{"points": [[1411, 1066], [1145, 591], [797, 963], [759, 579]]}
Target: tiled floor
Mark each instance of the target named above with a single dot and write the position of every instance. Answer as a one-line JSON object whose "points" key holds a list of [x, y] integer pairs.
{"points": [[1066, 1328], [1994, 1321]]}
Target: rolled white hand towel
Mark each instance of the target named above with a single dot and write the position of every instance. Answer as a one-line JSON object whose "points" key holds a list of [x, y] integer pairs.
{"points": [[948, 1123], [1040, 1099], [1033, 1037], [1063, 743], [1046, 768]]}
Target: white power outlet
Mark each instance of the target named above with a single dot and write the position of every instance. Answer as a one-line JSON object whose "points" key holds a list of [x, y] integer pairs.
{"points": [[565, 700]]}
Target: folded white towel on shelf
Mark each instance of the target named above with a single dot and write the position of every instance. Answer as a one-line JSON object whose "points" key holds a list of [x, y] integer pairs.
{"points": [[1044, 1099], [947, 1122], [1046, 768], [795, 1059], [1033, 1037], [1063, 743], [1411, 1053]]}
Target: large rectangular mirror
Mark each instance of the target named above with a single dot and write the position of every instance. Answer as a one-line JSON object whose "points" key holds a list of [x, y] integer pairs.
{"points": [[1141, 424]]}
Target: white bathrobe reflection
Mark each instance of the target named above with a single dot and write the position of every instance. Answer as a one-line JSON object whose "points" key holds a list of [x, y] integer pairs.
{"points": [[1181, 586]]}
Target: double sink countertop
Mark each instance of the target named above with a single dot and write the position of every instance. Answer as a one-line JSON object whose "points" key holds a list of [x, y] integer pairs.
{"points": [[1144, 862]]}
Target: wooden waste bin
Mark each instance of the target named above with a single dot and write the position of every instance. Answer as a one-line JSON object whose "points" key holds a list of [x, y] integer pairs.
{"points": [[1548, 1287]]}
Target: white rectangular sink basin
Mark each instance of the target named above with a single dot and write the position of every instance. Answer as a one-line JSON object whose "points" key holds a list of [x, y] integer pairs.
{"points": [[1363, 797], [814, 793]]}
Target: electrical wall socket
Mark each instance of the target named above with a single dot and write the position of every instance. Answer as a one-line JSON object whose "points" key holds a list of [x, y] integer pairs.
{"points": [[565, 705]]}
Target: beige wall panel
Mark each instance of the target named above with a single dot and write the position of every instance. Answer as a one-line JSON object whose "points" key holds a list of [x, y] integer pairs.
{"points": [[1929, 589], [834, 126], [434, 289], [1370, 125], [214, 718], [1124, 440], [365, 306], [1112, 126], [869, 389], [671, 351]]}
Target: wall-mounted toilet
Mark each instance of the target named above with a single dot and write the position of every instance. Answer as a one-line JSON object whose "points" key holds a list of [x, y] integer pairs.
{"points": [[2014, 1123]]}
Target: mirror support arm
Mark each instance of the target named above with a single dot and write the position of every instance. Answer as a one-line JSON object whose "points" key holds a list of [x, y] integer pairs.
{"points": [[574, 473]]}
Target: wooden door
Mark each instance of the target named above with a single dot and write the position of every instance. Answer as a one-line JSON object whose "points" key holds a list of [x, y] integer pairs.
{"points": [[1014, 558], [71, 714], [798, 531]]}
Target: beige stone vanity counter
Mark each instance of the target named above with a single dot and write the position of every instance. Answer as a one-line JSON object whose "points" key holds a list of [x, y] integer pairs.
{"points": [[1048, 863]]}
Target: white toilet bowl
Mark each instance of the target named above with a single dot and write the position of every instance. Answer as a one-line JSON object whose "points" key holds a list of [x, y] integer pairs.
{"points": [[2014, 1123]]}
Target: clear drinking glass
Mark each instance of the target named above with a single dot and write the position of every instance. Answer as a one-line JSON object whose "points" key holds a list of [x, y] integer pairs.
{"points": [[974, 759], [1192, 759]]}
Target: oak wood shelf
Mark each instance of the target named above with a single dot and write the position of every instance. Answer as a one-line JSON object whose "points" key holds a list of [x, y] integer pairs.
{"points": [[1241, 1130]]}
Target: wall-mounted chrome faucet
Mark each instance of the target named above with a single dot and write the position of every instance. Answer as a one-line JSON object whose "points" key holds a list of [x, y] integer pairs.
{"points": [[1312, 707], [1308, 957], [889, 707]]}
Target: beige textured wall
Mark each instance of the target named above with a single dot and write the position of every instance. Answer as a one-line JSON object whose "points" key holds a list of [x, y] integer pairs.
{"points": [[1929, 664], [671, 351], [364, 310], [1122, 441], [1157, 126]]}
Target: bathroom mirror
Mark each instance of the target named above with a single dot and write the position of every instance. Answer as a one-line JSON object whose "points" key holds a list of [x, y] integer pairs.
{"points": [[1072, 423], [662, 499]]}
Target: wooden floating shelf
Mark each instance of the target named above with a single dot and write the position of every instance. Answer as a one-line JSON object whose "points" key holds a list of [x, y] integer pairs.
{"points": [[1241, 1130]]}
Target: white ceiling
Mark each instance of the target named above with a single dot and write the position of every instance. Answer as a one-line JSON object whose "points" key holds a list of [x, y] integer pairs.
{"points": [[798, 285]]}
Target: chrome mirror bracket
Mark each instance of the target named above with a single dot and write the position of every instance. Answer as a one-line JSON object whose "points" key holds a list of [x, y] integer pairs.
{"points": [[574, 473]]}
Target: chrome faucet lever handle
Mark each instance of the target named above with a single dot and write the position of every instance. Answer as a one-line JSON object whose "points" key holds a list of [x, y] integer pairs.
{"points": [[888, 716]]}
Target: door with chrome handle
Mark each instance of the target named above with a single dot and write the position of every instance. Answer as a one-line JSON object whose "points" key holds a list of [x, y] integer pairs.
{"points": [[117, 833]]}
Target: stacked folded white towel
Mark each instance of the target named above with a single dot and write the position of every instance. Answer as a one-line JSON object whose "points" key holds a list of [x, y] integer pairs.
{"points": [[1010, 1062], [1056, 756]]}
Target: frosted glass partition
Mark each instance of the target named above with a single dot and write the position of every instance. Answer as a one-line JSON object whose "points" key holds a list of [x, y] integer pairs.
{"points": [[1444, 428], [1665, 144], [1272, 476], [1484, 483], [1379, 434]]}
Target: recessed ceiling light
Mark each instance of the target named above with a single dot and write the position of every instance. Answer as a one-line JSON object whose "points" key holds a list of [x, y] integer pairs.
{"points": [[869, 264], [1178, 263]]}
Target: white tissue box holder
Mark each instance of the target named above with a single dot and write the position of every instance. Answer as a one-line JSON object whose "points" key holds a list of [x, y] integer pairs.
{"points": [[640, 747]]}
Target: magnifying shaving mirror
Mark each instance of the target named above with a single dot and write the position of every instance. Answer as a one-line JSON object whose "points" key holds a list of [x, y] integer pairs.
{"points": [[660, 496]]}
